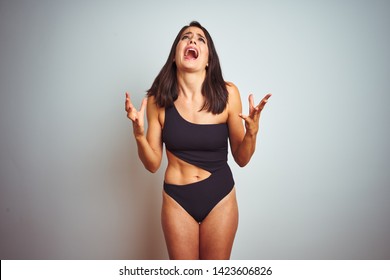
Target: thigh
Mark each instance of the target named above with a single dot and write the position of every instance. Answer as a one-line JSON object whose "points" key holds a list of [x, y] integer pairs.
{"points": [[181, 231], [218, 230]]}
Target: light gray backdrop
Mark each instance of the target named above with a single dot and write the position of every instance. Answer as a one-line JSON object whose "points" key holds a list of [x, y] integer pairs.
{"points": [[72, 186]]}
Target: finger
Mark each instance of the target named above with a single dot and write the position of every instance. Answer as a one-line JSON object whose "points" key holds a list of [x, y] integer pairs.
{"points": [[131, 111], [128, 97], [264, 101], [127, 102], [133, 117], [249, 121], [132, 108], [244, 117], [251, 101], [143, 106], [252, 108], [129, 107]]}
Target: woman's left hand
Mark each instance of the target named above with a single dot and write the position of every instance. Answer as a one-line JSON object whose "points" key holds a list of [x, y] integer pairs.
{"points": [[252, 120]]}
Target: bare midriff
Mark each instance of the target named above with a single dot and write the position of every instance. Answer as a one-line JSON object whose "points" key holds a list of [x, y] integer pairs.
{"points": [[179, 172]]}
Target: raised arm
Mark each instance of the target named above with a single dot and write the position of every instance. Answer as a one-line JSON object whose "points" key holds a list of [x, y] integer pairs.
{"points": [[149, 146], [243, 140]]}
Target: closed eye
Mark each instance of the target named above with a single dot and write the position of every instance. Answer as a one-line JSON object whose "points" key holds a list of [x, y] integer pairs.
{"points": [[189, 35]]}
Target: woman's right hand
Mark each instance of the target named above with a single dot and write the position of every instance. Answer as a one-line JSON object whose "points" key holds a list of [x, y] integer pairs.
{"points": [[137, 117]]}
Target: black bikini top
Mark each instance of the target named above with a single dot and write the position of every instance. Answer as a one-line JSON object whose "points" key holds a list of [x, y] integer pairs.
{"points": [[203, 145]]}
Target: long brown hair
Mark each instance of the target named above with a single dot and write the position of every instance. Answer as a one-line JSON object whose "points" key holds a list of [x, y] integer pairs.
{"points": [[165, 89]]}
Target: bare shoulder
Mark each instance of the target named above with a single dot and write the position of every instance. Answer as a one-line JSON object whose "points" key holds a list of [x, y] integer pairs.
{"points": [[154, 112], [234, 99], [236, 126], [232, 89], [152, 106]]}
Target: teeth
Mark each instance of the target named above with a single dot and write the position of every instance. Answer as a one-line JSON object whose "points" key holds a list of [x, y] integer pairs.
{"points": [[191, 49]]}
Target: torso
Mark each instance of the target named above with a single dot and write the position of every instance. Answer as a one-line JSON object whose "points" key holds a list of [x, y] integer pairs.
{"points": [[179, 172]]}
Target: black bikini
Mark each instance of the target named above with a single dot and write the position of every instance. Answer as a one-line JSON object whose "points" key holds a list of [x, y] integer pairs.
{"points": [[205, 146]]}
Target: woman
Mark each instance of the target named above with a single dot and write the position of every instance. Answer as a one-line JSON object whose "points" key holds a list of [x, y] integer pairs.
{"points": [[194, 112]]}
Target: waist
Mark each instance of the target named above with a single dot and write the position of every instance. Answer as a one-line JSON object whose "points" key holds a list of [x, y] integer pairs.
{"points": [[185, 175], [190, 175], [181, 172]]}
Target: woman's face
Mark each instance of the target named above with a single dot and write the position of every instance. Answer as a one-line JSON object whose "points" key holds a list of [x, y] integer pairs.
{"points": [[192, 51]]}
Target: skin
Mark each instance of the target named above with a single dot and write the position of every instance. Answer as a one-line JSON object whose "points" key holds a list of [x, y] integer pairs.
{"points": [[186, 238]]}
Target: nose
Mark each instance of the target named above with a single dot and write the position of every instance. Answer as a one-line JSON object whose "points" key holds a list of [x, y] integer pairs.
{"points": [[192, 41]]}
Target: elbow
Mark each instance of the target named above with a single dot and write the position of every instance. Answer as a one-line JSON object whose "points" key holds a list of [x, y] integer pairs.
{"points": [[152, 168], [151, 165], [241, 161]]}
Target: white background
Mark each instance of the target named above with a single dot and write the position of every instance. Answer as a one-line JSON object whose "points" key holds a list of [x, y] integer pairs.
{"points": [[71, 183]]}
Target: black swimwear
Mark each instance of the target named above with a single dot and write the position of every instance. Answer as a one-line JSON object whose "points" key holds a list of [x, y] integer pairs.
{"points": [[205, 146]]}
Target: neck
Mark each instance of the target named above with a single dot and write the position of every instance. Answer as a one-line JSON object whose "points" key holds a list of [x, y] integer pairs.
{"points": [[190, 84]]}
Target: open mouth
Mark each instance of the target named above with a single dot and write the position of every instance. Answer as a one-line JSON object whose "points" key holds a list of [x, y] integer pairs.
{"points": [[191, 53]]}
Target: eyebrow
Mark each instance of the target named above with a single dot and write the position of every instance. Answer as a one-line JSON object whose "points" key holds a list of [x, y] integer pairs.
{"points": [[199, 35]]}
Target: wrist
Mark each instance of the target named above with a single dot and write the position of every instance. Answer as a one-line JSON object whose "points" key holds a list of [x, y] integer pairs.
{"points": [[139, 136], [251, 134], [138, 132]]}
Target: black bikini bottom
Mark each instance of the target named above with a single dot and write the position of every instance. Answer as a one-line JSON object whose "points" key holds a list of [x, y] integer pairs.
{"points": [[199, 198]]}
